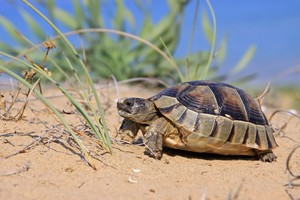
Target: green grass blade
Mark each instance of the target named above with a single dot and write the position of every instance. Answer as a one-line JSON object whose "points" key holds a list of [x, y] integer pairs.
{"points": [[49, 58], [33, 25], [5, 47], [182, 79], [93, 9], [53, 109], [207, 28], [11, 30], [222, 50], [86, 97], [58, 85], [50, 4], [192, 34], [147, 26], [205, 72], [247, 57], [78, 11], [66, 18], [75, 53]]}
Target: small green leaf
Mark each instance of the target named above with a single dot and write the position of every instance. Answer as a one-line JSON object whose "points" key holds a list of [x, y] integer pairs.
{"points": [[243, 62], [11, 30], [178, 5], [50, 4], [5, 47], [78, 13], [93, 8], [33, 25], [207, 28], [221, 52], [158, 30], [66, 18], [147, 25], [117, 21], [129, 17]]}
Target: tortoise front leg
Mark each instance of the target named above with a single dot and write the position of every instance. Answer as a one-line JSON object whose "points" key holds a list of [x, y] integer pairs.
{"points": [[128, 130], [154, 138]]}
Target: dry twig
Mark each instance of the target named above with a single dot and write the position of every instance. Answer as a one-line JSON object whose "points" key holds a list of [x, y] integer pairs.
{"points": [[288, 167], [25, 168], [29, 76]]}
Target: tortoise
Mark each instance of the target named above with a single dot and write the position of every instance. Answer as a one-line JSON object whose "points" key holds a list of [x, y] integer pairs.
{"points": [[199, 116]]}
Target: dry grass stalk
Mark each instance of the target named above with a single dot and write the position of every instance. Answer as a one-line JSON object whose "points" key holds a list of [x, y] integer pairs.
{"points": [[24, 168], [6, 106], [292, 161], [295, 175], [261, 97]]}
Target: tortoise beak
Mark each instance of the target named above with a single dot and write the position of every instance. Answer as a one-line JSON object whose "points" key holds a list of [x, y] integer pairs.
{"points": [[122, 107]]}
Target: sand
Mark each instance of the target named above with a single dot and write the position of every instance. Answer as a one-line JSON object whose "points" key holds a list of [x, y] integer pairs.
{"points": [[52, 169]]}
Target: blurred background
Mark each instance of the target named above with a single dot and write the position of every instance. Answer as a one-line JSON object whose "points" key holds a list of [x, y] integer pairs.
{"points": [[266, 32]]}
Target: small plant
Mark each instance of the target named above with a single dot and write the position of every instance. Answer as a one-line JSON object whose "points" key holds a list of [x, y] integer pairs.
{"points": [[100, 49], [97, 125], [206, 64]]}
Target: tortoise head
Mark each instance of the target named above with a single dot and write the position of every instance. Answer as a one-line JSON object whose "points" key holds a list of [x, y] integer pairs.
{"points": [[137, 109]]}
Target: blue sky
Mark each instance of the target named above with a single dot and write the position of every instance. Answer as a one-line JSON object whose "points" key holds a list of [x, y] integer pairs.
{"points": [[273, 26]]}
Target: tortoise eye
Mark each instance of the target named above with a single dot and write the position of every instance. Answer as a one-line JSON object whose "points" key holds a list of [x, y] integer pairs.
{"points": [[129, 102]]}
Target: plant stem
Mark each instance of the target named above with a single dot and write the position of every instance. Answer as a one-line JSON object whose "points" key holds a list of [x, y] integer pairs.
{"points": [[103, 123], [212, 49]]}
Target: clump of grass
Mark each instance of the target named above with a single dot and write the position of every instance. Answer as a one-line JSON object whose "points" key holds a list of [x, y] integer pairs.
{"points": [[205, 64], [39, 72], [74, 64], [29, 76], [137, 60], [102, 57], [98, 125]]}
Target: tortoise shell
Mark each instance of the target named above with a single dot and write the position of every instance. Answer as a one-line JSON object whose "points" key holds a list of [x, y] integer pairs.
{"points": [[214, 117]]}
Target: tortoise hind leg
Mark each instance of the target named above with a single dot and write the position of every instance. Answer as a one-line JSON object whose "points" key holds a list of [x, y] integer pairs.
{"points": [[266, 155]]}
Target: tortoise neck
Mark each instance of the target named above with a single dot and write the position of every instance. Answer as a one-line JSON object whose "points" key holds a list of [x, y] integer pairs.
{"points": [[151, 113]]}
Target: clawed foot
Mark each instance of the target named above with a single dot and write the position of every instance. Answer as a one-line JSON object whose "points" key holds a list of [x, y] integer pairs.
{"points": [[267, 156], [153, 154], [126, 135]]}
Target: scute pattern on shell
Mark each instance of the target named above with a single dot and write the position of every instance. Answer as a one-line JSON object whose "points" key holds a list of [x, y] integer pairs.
{"points": [[214, 118], [216, 99]]}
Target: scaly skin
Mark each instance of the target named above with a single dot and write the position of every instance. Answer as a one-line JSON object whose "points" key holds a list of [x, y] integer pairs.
{"points": [[154, 138], [129, 130], [266, 156]]}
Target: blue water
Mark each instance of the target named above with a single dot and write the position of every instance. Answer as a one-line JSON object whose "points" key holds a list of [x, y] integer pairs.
{"points": [[273, 26]]}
